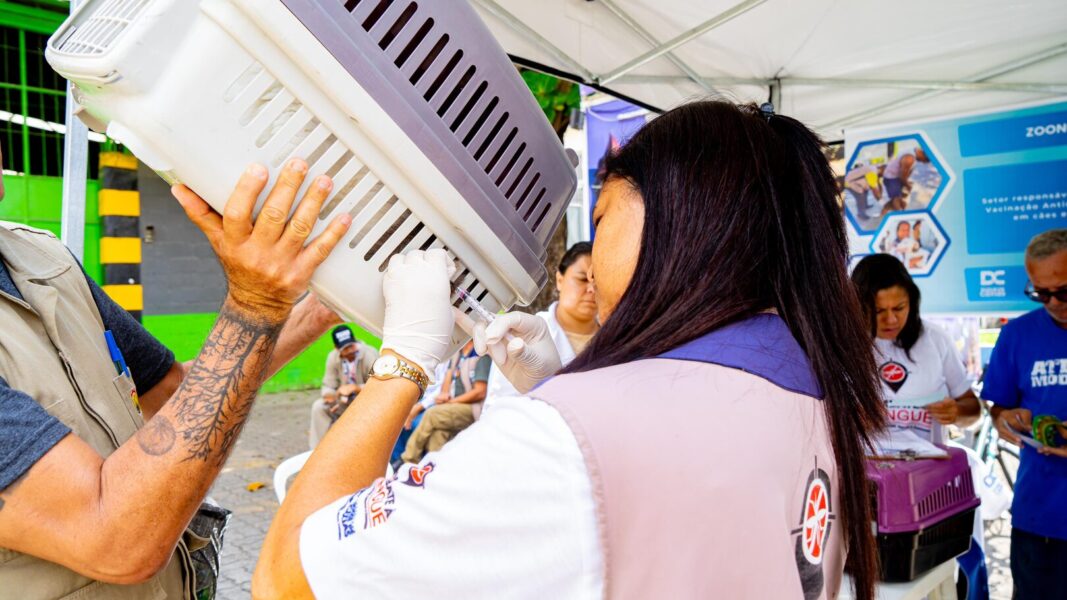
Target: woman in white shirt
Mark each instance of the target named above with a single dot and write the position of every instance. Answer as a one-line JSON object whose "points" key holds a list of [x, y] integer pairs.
{"points": [[571, 320], [924, 382]]}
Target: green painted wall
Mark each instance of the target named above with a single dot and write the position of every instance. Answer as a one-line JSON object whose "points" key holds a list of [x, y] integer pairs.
{"points": [[185, 334], [36, 201]]}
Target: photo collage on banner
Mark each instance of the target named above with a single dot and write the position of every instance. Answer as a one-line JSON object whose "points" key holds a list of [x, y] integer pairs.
{"points": [[958, 199]]}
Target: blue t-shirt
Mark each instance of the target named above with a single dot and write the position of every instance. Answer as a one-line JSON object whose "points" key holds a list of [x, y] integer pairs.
{"points": [[1028, 369], [27, 432]]}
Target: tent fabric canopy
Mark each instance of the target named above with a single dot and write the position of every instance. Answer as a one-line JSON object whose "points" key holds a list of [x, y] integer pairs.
{"points": [[830, 63]]}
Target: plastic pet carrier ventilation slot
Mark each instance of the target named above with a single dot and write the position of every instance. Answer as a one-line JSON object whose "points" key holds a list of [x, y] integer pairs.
{"points": [[430, 135], [98, 31]]}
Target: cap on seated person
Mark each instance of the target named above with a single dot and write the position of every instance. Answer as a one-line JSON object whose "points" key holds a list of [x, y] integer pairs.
{"points": [[342, 336]]}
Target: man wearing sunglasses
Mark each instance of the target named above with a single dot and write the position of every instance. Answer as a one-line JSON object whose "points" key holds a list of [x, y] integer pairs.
{"points": [[1027, 377]]}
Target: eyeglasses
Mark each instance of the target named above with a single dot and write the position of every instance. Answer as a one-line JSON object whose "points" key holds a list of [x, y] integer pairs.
{"points": [[1045, 296]]}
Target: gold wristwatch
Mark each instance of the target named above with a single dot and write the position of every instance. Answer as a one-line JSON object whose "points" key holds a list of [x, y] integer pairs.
{"points": [[390, 366]]}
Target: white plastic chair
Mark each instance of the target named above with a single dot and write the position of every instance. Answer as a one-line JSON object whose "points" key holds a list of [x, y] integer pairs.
{"points": [[292, 465], [289, 467]]}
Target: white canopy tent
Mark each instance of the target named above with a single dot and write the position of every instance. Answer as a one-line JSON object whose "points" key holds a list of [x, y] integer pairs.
{"points": [[830, 63]]}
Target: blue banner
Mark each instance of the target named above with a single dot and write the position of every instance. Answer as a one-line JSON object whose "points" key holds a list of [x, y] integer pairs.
{"points": [[1007, 135], [1006, 205], [996, 283], [958, 199]]}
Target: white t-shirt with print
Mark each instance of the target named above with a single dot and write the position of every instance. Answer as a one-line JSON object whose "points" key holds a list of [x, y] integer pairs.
{"points": [[440, 529], [933, 372]]}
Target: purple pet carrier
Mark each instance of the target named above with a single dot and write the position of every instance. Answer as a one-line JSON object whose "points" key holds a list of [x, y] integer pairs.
{"points": [[924, 512]]}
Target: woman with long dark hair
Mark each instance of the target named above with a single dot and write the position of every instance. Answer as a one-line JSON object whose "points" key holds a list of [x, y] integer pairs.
{"points": [[709, 442], [924, 383]]}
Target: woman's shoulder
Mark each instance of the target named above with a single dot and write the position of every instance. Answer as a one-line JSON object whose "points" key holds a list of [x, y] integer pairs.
{"points": [[518, 431], [935, 335], [599, 381]]}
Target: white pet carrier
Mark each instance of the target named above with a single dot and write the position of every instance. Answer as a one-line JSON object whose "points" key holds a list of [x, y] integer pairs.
{"points": [[430, 135]]}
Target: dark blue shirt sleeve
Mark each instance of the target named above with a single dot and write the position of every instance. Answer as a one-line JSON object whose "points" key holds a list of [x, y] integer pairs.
{"points": [[1000, 384], [27, 433], [147, 358]]}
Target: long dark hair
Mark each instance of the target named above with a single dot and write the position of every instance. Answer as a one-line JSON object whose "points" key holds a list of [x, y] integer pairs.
{"points": [[878, 272], [741, 216]]}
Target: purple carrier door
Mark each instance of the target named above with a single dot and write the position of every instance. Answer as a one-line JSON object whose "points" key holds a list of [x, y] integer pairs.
{"points": [[914, 495], [443, 78]]}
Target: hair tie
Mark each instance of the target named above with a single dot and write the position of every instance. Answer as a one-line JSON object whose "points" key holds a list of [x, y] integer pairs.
{"points": [[767, 110]]}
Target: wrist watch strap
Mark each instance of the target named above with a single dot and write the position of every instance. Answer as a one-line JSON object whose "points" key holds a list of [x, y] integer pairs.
{"points": [[411, 373], [405, 369]]}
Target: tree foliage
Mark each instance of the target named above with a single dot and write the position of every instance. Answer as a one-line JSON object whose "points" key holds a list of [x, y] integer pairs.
{"points": [[556, 97]]}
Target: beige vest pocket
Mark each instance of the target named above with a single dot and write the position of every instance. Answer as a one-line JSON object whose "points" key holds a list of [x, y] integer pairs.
{"points": [[150, 590]]}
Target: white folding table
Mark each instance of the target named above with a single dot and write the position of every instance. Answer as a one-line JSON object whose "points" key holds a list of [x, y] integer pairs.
{"points": [[937, 584]]}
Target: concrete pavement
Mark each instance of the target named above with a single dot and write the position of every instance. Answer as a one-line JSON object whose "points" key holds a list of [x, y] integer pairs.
{"points": [[276, 430]]}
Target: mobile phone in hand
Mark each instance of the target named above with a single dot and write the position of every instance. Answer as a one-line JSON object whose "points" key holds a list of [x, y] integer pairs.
{"points": [[1029, 441]]}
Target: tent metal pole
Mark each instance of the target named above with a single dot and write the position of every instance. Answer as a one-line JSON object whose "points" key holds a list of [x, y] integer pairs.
{"points": [[75, 172], [716, 21], [537, 39], [997, 71], [950, 86], [648, 37], [519, 61], [715, 81], [956, 86]]}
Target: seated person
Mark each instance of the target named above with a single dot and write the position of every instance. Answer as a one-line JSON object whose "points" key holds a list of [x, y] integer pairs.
{"points": [[571, 319], [427, 401], [457, 405], [347, 369]]}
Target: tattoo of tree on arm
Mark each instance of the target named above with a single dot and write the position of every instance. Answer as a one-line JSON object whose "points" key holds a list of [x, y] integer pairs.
{"points": [[216, 395], [156, 438]]}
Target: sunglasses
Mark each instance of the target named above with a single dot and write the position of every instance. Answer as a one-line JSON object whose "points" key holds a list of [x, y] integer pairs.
{"points": [[1045, 296]]}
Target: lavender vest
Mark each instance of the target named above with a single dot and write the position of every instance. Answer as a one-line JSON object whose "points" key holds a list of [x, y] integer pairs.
{"points": [[711, 468]]}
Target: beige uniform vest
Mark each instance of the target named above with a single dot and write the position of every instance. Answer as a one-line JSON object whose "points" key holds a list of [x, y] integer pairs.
{"points": [[334, 376], [712, 470], [52, 347]]}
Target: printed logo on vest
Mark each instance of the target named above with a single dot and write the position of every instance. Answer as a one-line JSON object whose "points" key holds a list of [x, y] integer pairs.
{"points": [[415, 476], [893, 374], [366, 509], [816, 520]]}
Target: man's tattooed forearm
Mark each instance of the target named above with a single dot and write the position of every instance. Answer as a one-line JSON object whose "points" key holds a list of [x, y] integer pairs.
{"points": [[216, 394], [156, 438], [10, 489]]}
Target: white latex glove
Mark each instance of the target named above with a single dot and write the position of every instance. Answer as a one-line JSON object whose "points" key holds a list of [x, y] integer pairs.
{"points": [[520, 344], [418, 314]]}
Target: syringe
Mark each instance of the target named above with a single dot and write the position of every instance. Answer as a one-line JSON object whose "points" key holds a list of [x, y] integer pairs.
{"points": [[480, 310]]}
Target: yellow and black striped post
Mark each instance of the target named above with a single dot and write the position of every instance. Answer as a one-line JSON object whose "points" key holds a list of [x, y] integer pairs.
{"points": [[120, 239]]}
